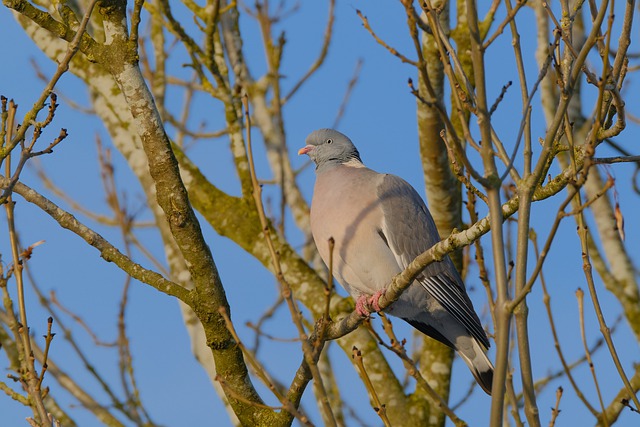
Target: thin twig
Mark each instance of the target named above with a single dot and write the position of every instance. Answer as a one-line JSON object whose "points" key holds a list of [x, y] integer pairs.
{"points": [[124, 220], [268, 314], [507, 20], [329, 288], [27, 152], [48, 338], [53, 299], [555, 411], [527, 105], [14, 395], [379, 407], [63, 67], [347, 94], [587, 353], [503, 91], [83, 397], [398, 348], [29, 378], [547, 303], [604, 329], [617, 159], [393, 51]]}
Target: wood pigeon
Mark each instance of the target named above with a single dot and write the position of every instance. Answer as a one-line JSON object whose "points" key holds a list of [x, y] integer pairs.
{"points": [[380, 224]]}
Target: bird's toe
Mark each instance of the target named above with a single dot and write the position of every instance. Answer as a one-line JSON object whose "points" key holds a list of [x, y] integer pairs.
{"points": [[362, 306], [374, 301]]}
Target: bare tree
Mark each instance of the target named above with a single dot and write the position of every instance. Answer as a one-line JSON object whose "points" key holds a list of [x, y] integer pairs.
{"points": [[480, 179]]}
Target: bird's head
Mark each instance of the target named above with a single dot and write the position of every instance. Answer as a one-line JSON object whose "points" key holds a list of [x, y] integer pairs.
{"points": [[327, 146]]}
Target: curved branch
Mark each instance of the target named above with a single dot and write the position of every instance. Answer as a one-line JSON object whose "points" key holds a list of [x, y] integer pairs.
{"points": [[107, 251]]}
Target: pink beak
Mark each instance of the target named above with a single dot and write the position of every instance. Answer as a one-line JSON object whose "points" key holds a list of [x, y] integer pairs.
{"points": [[305, 149]]}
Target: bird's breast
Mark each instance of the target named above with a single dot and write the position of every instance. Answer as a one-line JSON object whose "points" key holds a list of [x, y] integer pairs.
{"points": [[345, 207]]}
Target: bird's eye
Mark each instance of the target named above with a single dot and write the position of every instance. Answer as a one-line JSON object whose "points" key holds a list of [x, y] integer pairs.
{"points": [[329, 141]]}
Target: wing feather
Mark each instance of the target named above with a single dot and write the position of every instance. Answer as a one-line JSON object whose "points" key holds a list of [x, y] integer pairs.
{"points": [[449, 295], [409, 230]]}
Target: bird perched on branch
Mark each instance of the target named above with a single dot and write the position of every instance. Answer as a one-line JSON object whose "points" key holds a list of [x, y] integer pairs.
{"points": [[380, 224]]}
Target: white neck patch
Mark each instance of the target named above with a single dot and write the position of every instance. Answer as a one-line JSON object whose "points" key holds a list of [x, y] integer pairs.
{"points": [[354, 163]]}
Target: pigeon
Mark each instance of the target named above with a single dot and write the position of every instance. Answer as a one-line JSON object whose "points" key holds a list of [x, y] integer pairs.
{"points": [[379, 224]]}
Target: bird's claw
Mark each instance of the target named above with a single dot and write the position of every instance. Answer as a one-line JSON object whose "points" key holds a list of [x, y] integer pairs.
{"points": [[364, 304], [375, 300]]}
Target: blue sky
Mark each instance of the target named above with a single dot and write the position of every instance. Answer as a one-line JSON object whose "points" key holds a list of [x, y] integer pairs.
{"points": [[380, 119]]}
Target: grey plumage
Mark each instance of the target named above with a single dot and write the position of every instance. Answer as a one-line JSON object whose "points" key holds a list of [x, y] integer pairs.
{"points": [[380, 224]]}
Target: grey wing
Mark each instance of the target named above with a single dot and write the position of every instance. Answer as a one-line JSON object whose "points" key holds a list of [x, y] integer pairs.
{"points": [[409, 230], [445, 290]]}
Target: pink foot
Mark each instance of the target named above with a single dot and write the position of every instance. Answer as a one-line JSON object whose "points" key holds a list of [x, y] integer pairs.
{"points": [[375, 299], [362, 306]]}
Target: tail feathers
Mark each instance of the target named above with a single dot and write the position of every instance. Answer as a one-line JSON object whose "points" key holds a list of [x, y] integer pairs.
{"points": [[469, 350], [480, 366]]}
